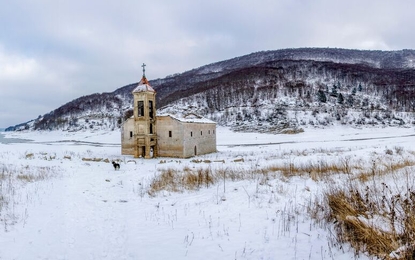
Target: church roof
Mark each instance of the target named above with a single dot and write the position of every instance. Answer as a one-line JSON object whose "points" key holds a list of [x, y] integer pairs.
{"points": [[190, 118], [143, 86]]}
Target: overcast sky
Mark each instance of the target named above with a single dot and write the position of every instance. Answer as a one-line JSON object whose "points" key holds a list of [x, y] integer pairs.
{"points": [[52, 52]]}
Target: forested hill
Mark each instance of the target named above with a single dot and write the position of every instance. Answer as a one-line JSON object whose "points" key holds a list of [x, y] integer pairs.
{"points": [[268, 91]]}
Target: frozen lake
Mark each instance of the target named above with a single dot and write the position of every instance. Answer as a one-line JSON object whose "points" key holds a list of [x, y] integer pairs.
{"points": [[4, 140]]}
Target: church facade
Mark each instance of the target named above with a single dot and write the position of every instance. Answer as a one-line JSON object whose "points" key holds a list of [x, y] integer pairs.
{"points": [[147, 135]]}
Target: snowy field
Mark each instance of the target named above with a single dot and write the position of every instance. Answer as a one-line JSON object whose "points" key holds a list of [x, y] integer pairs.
{"points": [[60, 197]]}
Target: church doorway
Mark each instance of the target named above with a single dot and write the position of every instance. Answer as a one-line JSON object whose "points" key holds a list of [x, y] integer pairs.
{"points": [[195, 150]]}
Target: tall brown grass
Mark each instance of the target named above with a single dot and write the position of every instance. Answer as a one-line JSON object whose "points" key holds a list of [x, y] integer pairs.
{"points": [[177, 181], [187, 178], [376, 220], [370, 215], [357, 210]]}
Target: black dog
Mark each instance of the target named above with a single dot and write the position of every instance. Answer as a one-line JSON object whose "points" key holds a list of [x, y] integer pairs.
{"points": [[116, 165]]}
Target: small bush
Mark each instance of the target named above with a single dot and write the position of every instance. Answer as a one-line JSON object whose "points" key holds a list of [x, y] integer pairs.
{"points": [[399, 150]]}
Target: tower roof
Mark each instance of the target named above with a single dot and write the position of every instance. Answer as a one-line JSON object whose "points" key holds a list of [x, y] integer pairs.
{"points": [[143, 85]]}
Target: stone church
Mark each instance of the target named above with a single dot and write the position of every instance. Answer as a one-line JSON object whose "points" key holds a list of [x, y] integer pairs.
{"points": [[148, 135]]}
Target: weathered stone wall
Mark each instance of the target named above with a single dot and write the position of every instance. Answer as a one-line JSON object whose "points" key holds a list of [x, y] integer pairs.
{"points": [[187, 139], [127, 142], [199, 138], [169, 146]]}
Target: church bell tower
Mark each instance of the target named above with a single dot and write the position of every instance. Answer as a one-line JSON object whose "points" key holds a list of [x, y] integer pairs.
{"points": [[145, 128]]}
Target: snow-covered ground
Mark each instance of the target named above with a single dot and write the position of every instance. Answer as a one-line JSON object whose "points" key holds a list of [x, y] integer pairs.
{"points": [[68, 203]]}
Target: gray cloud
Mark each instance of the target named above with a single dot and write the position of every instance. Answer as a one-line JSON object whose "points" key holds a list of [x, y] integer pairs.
{"points": [[54, 51]]}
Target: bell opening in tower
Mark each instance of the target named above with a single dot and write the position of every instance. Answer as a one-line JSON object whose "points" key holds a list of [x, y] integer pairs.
{"points": [[150, 108], [140, 108]]}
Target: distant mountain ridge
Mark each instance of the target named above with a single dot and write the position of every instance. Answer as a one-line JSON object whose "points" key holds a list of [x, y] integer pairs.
{"points": [[269, 91]]}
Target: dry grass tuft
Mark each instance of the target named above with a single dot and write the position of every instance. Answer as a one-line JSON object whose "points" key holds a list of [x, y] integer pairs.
{"points": [[376, 220], [345, 208], [383, 166], [291, 131], [176, 181], [319, 170], [29, 156], [190, 178], [193, 179], [36, 174]]}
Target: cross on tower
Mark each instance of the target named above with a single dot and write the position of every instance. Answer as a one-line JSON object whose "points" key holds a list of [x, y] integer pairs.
{"points": [[144, 69]]}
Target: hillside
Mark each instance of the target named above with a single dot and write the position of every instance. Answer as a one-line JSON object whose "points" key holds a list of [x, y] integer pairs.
{"points": [[268, 91]]}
